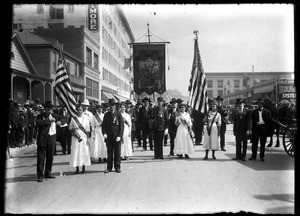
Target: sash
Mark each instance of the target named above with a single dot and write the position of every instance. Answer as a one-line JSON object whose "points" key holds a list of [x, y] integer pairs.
{"points": [[80, 125], [186, 125], [210, 127], [98, 118]]}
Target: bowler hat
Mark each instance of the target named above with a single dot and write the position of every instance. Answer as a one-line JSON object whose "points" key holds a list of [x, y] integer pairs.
{"points": [[128, 102], [48, 104], [148, 99], [85, 102], [173, 100], [239, 101], [219, 98], [160, 99], [259, 100], [112, 101], [179, 100]]}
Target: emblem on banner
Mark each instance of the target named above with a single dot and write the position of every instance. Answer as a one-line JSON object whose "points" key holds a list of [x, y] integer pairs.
{"points": [[149, 74]]}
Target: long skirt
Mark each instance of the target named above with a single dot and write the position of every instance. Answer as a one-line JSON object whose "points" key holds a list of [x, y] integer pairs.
{"points": [[211, 142], [126, 147], [80, 154], [183, 143], [98, 146]]}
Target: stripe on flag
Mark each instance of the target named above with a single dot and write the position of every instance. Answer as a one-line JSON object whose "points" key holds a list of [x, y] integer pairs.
{"points": [[198, 99], [62, 87]]}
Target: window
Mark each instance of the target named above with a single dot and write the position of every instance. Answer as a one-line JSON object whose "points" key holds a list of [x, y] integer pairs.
{"points": [[40, 8], [17, 25], [71, 8], [236, 83], [96, 61], [88, 56], [228, 91], [70, 26], [56, 12], [210, 93], [220, 92], [68, 67], [40, 27], [89, 86], [220, 83], [12, 55], [228, 82], [209, 83]]}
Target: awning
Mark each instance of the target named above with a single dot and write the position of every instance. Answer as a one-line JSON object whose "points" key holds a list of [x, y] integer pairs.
{"points": [[106, 95]]}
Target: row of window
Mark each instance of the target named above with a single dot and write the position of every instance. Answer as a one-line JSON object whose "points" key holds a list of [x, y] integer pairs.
{"points": [[92, 88], [112, 79], [220, 83], [40, 8]]}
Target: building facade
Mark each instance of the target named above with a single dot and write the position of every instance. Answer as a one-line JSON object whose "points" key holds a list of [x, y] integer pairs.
{"points": [[106, 37], [228, 83]]}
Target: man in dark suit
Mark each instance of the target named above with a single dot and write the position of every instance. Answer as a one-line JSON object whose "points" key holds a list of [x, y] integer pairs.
{"points": [[144, 120], [223, 112], [46, 141], [112, 129], [64, 135], [241, 129], [197, 118], [160, 127], [261, 119], [138, 131], [173, 112]]}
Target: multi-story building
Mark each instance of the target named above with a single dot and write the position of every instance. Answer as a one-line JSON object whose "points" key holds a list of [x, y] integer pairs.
{"points": [[110, 30], [227, 83]]}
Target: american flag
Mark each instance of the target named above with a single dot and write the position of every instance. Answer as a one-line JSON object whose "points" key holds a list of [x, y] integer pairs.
{"points": [[62, 87], [198, 99]]}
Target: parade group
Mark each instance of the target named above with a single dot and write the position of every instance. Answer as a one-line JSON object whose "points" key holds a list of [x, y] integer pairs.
{"points": [[106, 133]]}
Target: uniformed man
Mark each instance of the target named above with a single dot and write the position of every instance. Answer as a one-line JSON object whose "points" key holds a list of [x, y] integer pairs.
{"points": [[112, 130], [160, 127], [223, 112], [173, 112], [145, 124]]}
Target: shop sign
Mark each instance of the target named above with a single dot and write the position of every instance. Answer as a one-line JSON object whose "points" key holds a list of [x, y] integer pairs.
{"points": [[93, 17]]}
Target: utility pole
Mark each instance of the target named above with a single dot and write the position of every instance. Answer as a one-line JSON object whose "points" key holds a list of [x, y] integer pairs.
{"points": [[148, 35]]}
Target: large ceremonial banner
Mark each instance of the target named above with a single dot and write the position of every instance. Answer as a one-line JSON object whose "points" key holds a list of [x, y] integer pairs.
{"points": [[149, 68]]}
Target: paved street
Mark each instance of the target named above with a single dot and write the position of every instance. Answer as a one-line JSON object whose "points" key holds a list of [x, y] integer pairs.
{"points": [[155, 186]]}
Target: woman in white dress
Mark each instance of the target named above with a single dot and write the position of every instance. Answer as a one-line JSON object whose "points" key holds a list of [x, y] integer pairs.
{"points": [[183, 143], [80, 155], [126, 147], [98, 146], [212, 130]]}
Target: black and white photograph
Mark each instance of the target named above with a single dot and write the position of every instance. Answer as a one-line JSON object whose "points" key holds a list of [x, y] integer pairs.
{"points": [[151, 109]]}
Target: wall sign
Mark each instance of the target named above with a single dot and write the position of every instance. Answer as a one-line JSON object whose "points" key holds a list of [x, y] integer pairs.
{"points": [[93, 22]]}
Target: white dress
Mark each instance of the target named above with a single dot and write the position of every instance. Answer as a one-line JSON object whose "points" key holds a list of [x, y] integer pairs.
{"points": [[212, 141], [90, 118], [183, 143], [126, 147], [80, 154], [97, 146]]}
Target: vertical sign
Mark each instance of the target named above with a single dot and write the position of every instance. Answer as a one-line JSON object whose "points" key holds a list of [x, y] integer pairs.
{"points": [[286, 90], [149, 68], [93, 22]]}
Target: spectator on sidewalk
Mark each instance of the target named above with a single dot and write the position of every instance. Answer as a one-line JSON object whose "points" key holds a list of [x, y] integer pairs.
{"points": [[126, 146]]}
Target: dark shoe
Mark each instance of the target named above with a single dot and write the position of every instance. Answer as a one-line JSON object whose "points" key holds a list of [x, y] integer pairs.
{"points": [[76, 172], [154, 158], [161, 158], [269, 145], [49, 176], [104, 160], [214, 157], [40, 179], [180, 156], [235, 158], [100, 160], [83, 169], [262, 159], [186, 156], [223, 149], [205, 158], [243, 159], [107, 171], [252, 158], [118, 170]]}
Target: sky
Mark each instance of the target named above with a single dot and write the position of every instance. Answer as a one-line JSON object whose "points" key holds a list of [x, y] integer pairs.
{"points": [[232, 38]]}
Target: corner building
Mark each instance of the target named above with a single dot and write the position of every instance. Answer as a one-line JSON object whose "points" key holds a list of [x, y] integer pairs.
{"points": [[105, 47]]}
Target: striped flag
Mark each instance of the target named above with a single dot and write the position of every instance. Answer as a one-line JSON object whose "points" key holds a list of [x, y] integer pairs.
{"points": [[198, 99], [62, 87]]}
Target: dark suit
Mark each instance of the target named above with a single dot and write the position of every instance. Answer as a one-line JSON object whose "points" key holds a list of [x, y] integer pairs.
{"points": [[172, 129], [64, 134], [259, 132], [223, 112], [15, 123], [143, 119], [113, 127], [45, 144], [242, 124], [198, 125], [160, 123]]}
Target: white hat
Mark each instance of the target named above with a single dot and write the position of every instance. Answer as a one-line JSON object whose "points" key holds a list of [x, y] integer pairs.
{"points": [[85, 102]]}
